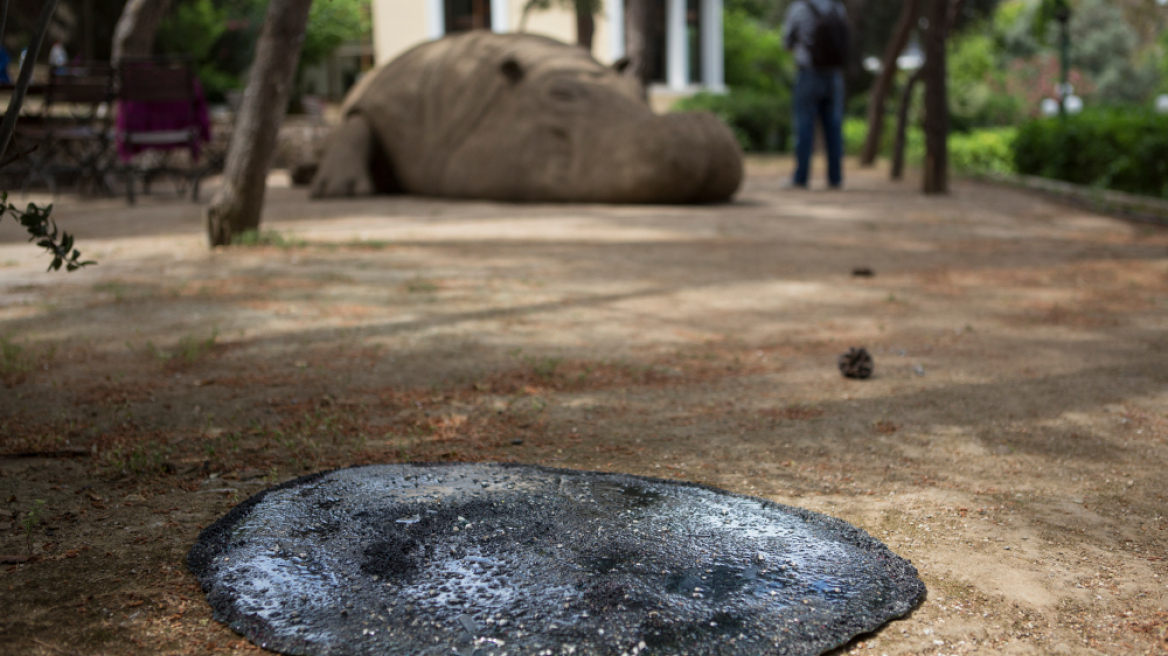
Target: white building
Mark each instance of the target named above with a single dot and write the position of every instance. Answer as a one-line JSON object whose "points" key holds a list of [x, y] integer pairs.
{"points": [[689, 33]]}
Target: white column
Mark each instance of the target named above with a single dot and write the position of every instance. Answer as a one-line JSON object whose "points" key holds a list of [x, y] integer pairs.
{"points": [[713, 68], [500, 21], [676, 45], [616, 26], [435, 19]]}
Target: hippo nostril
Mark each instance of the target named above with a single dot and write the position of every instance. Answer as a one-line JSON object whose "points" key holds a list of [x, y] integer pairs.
{"points": [[563, 93]]}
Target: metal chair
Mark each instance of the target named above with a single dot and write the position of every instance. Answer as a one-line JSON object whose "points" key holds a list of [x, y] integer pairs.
{"points": [[73, 131], [161, 110]]}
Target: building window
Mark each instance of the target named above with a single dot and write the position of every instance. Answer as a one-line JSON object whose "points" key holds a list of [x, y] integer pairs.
{"points": [[464, 15]]}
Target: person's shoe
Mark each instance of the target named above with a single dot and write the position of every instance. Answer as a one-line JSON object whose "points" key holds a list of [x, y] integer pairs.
{"points": [[791, 184]]}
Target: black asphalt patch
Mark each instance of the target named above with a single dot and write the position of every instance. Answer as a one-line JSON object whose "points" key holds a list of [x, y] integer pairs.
{"points": [[495, 559]]}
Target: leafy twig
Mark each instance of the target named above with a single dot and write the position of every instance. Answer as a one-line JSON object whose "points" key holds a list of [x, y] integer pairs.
{"points": [[20, 155], [36, 221]]}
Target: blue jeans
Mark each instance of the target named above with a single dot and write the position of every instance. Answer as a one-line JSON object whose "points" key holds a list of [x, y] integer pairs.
{"points": [[819, 94]]}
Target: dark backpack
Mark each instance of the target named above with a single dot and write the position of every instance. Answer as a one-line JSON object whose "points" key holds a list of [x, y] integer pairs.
{"points": [[829, 39]]}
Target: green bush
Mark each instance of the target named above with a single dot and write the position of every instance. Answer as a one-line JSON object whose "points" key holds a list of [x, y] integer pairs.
{"points": [[755, 58], [855, 131], [1121, 149], [978, 89], [220, 35], [761, 121], [982, 151], [988, 150], [759, 73]]}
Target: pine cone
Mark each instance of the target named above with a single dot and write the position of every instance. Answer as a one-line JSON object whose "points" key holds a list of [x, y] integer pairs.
{"points": [[856, 363]]}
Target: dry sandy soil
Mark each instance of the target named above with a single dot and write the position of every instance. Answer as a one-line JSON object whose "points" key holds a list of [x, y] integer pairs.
{"points": [[1013, 442]]}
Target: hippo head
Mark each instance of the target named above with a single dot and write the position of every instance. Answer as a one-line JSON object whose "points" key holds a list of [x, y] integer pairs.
{"points": [[521, 117]]}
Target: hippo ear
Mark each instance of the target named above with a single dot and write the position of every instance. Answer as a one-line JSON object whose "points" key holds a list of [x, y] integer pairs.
{"points": [[512, 70], [621, 64]]}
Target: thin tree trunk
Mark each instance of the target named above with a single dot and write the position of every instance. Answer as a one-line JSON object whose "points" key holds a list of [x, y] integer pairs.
{"points": [[858, 16], [134, 33], [638, 41], [936, 178], [904, 26], [87, 30], [902, 125], [4, 16], [8, 125], [585, 26], [237, 206]]}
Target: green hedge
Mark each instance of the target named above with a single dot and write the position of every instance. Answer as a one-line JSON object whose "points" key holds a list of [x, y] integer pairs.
{"points": [[1121, 149], [761, 121], [989, 150]]}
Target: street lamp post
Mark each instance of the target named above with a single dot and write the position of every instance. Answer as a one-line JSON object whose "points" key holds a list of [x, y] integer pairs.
{"points": [[1062, 13]]}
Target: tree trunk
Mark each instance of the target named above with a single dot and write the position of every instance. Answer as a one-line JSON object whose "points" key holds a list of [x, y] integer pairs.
{"points": [[638, 41], [908, 19], [134, 33], [237, 206], [8, 124], [902, 125], [585, 25], [936, 178]]}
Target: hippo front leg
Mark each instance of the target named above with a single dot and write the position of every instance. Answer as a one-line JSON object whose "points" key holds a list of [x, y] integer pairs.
{"points": [[346, 167]]}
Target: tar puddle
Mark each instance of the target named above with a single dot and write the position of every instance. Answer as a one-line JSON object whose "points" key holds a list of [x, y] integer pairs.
{"points": [[495, 559]]}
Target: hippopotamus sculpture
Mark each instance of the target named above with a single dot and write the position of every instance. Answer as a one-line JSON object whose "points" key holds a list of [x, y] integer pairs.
{"points": [[518, 117]]}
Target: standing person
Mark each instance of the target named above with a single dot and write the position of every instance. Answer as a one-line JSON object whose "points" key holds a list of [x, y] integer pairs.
{"points": [[4, 79], [58, 56], [817, 32]]}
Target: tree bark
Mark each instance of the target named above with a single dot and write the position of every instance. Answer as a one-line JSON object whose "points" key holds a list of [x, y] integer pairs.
{"points": [[638, 41], [936, 178], [897, 171], [237, 206], [134, 33], [585, 25], [904, 26], [8, 124]]}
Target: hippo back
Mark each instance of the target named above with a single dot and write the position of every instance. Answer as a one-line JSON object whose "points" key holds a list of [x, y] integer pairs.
{"points": [[424, 105], [525, 117]]}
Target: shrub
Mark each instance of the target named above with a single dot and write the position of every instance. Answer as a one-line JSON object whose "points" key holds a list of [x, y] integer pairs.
{"points": [[1121, 149], [759, 72], [977, 87], [761, 121], [990, 150], [855, 131], [221, 36], [755, 57]]}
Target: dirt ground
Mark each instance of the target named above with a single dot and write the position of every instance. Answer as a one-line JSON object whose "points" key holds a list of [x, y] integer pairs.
{"points": [[1013, 442]]}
